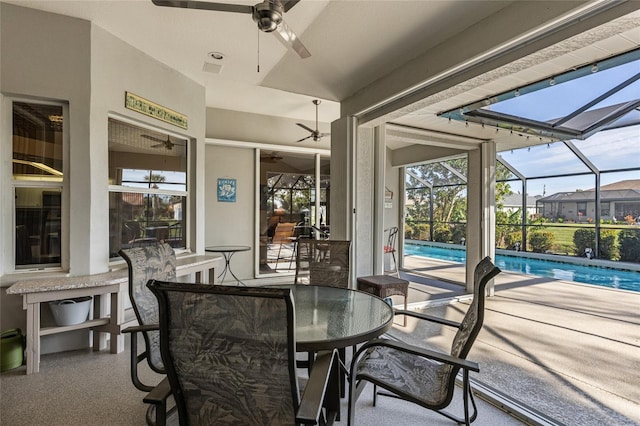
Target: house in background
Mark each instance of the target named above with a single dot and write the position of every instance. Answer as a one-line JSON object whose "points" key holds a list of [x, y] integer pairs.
{"points": [[617, 201], [513, 203]]}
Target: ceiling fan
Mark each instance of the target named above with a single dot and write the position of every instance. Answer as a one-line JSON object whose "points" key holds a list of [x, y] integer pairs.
{"points": [[161, 142], [315, 134], [268, 16]]}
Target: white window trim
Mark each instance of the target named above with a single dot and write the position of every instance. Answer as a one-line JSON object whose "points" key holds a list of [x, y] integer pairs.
{"points": [[188, 218], [9, 184]]}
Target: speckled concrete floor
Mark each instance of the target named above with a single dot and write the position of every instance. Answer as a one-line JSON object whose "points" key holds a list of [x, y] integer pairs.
{"points": [[568, 350], [94, 388]]}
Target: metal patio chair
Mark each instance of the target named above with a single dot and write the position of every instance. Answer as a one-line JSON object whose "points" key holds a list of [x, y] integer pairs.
{"points": [[151, 261], [422, 376], [230, 357]]}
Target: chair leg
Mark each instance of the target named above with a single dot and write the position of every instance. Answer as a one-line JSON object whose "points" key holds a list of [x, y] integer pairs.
{"points": [[342, 354], [395, 263], [375, 395], [406, 296]]}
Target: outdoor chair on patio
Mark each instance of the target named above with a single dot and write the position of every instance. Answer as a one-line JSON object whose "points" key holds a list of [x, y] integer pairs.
{"points": [[151, 261], [390, 248], [323, 262], [230, 357], [420, 375], [284, 238]]}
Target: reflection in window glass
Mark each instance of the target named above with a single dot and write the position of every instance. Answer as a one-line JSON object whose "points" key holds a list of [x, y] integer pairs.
{"points": [[38, 226], [289, 207], [37, 179], [148, 192]]}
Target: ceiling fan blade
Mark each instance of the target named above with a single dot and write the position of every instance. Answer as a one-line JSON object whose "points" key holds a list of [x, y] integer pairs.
{"points": [[153, 138], [205, 5], [305, 127], [324, 134], [288, 4], [287, 37], [304, 139]]}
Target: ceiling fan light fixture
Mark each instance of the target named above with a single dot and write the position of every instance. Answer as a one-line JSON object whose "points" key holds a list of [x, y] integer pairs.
{"points": [[268, 16]]}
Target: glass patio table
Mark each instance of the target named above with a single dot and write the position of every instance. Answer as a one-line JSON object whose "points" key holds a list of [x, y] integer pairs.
{"points": [[330, 317]]}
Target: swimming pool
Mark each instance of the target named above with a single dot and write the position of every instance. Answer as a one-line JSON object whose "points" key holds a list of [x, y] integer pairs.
{"points": [[613, 278]]}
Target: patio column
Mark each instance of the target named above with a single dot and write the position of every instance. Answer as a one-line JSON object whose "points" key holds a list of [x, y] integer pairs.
{"points": [[481, 219], [352, 211]]}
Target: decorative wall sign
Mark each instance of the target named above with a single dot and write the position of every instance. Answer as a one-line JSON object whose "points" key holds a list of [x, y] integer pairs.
{"points": [[227, 190], [152, 109]]}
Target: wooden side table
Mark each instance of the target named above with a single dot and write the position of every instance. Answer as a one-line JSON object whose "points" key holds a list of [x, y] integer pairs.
{"points": [[385, 286]]}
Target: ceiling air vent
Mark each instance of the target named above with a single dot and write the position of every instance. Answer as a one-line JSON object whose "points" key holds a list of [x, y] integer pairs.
{"points": [[212, 68]]}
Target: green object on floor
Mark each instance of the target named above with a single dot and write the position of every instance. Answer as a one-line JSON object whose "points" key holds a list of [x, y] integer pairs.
{"points": [[11, 349]]}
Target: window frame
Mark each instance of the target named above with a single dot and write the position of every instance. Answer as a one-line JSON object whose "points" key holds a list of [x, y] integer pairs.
{"points": [[186, 216], [61, 184]]}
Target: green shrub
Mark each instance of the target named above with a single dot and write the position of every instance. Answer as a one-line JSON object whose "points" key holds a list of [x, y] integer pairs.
{"points": [[416, 231], [584, 238], [629, 240], [512, 238], [541, 241], [609, 244], [459, 232], [442, 234]]}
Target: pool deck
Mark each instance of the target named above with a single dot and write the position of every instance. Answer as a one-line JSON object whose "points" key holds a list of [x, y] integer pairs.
{"points": [[569, 351]]}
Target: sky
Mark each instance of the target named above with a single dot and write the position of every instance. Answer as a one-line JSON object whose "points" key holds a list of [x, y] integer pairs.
{"points": [[608, 150]]}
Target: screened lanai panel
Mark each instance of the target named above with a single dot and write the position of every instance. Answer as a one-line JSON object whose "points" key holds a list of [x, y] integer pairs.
{"points": [[570, 105], [613, 149], [444, 173], [550, 186], [545, 160], [544, 105], [503, 173]]}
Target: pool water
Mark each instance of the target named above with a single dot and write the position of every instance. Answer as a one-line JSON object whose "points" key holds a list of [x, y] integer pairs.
{"points": [[605, 277]]}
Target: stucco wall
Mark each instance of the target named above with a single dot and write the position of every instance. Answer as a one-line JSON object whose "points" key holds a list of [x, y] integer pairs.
{"points": [[53, 57]]}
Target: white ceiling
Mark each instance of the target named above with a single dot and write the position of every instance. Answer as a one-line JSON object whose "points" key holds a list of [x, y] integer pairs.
{"points": [[352, 43]]}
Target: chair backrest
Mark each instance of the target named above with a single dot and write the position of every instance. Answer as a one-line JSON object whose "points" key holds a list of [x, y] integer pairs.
{"points": [[284, 232], [151, 261], [229, 353], [327, 261], [472, 322], [391, 240]]}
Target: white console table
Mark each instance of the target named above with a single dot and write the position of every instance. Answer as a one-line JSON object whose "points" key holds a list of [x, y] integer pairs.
{"points": [[113, 284]]}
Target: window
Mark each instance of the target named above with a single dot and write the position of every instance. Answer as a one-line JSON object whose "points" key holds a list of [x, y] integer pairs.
{"points": [[147, 187], [37, 183], [605, 209], [582, 210]]}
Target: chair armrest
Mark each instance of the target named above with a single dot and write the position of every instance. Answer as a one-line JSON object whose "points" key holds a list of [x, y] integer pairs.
{"points": [[159, 394], [313, 397], [141, 328], [425, 317], [423, 352]]}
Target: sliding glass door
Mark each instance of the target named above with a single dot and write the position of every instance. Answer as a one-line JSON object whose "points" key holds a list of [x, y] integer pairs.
{"points": [[293, 202]]}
